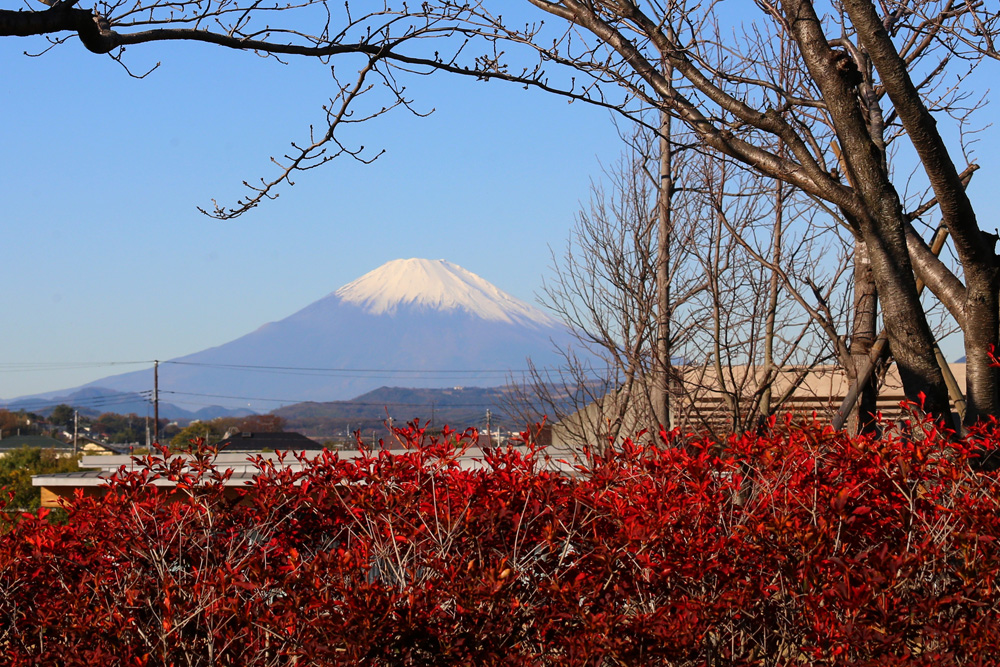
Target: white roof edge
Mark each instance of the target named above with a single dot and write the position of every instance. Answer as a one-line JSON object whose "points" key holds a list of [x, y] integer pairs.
{"points": [[66, 480], [118, 460], [242, 469]]}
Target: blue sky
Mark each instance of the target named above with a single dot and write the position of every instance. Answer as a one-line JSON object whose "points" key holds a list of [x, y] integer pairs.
{"points": [[107, 258]]}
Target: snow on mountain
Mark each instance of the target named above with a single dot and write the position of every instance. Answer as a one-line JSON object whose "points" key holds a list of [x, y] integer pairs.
{"points": [[409, 323], [437, 285]]}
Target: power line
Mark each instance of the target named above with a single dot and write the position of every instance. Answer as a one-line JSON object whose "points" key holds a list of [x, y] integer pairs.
{"points": [[37, 366], [18, 367], [394, 371], [237, 398], [327, 369], [348, 403], [145, 395], [83, 402]]}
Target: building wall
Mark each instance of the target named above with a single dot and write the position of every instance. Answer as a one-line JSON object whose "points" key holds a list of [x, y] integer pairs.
{"points": [[701, 404]]}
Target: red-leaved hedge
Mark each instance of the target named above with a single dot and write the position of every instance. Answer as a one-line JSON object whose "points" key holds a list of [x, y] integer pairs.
{"points": [[802, 547]]}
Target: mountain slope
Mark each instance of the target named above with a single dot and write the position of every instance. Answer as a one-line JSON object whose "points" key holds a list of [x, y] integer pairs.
{"points": [[411, 323]]}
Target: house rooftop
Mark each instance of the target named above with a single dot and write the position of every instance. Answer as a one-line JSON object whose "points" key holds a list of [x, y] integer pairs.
{"points": [[268, 441], [38, 441]]}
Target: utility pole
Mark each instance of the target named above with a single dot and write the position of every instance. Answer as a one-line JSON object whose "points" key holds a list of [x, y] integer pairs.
{"points": [[156, 401], [76, 430], [489, 426]]}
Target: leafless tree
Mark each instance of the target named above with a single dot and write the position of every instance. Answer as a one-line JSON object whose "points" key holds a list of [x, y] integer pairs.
{"points": [[746, 320], [619, 284], [679, 256], [774, 300], [854, 61], [870, 73]]}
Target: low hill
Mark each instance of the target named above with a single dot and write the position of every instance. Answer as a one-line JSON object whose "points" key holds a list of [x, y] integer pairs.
{"points": [[457, 407], [93, 401]]}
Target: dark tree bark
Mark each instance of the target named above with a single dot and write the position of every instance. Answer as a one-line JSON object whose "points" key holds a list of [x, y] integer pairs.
{"points": [[881, 221], [662, 367], [863, 334], [975, 249]]}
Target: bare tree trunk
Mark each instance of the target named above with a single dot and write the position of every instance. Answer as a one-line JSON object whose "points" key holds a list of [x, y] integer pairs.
{"points": [[982, 323], [910, 338], [975, 249], [729, 392], [764, 407], [879, 355], [883, 226], [863, 334], [664, 239]]}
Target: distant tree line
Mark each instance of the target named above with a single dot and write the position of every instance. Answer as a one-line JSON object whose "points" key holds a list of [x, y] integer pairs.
{"points": [[216, 430], [19, 466], [19, 422], [110, 427]]}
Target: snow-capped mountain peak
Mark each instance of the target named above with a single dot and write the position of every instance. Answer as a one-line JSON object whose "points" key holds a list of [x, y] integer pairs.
{"points": [[437, 285], [447, 327]]}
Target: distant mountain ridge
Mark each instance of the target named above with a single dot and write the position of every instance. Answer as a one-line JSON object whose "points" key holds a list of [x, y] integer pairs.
{"points": [[410, 322], [93, 401], [457, 407]]}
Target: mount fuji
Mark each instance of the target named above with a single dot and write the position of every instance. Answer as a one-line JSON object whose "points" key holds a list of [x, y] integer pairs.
{"points": [[411, 322]]}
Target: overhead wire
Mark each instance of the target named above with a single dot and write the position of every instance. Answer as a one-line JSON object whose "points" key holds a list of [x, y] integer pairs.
{"points": [[346, 403], [37, 366], [361, 373], [339, 370], [40, 366], [101, 401], [146, 395]]}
